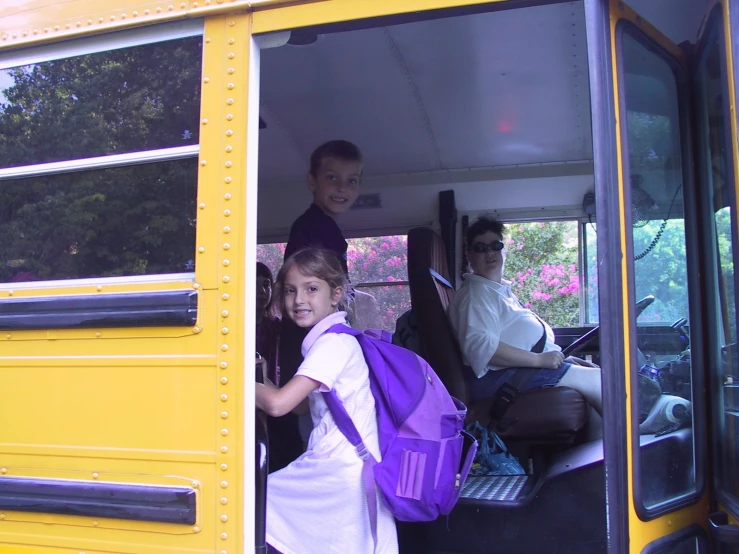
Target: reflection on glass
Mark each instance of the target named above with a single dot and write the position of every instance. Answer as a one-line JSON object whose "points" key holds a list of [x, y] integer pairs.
{"points": [[137, 220], [714, 160], [127, 100], [662, 382]]}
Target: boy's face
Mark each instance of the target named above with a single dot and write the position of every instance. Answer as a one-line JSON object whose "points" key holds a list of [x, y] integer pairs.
{"points": [[335, 187]]}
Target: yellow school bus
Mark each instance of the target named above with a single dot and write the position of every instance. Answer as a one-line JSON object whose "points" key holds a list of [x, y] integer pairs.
{"points": [[150, 149]]}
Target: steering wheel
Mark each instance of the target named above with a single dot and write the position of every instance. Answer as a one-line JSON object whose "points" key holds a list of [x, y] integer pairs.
{"points": [[581, 342]]}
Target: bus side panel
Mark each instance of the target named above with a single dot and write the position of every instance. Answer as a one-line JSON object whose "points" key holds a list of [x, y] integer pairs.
{"points": [[121, 409]]}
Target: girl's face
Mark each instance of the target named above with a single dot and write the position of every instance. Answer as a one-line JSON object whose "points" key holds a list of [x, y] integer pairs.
{"points": [[308, 299]]}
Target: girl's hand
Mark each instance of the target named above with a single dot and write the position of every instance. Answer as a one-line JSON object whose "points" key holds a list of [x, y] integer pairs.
{"points": [[550, 360], [260, 365], [278, 402]]}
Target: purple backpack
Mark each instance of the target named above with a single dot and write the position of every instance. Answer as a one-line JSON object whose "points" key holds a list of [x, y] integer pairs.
{"points": [[426, 454]]}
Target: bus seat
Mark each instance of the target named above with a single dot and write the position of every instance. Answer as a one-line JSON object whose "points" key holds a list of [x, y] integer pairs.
{"points": [[554, 413], [364, 312]]}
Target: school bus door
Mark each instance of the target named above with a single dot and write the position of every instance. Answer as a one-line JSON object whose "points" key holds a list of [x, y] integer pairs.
{"points": [[716, 89], [675, 130]]}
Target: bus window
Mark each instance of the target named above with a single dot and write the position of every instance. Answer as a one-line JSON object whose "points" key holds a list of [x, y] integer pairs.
{"points": [[378, 268], [668, 285], [544, 270], [98, 161], [715, 169], [665, 469]]}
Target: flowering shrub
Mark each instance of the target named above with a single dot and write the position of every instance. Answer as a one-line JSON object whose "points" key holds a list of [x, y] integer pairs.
{"points": [[543, 270], [370, 260]]}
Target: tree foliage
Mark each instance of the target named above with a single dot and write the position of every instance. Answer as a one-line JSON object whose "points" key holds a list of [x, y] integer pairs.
{"points": [[120, 221], [542, 265]]}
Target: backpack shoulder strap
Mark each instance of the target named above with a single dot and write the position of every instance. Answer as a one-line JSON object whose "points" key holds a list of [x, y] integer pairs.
{"points": [[349, 430]]}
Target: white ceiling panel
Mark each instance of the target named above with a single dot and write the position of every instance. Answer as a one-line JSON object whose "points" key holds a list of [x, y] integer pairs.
{"points": [[497, 96], [476, 91]]}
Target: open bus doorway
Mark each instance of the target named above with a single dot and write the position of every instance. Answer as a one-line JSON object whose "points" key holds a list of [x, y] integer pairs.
{"points": [[504, 122]]}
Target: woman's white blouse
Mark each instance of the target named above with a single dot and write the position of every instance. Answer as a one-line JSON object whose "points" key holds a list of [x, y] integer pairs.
{"points": [[484, 314]]}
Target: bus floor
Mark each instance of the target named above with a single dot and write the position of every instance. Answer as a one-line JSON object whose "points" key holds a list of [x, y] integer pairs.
{"points": [[566, 514]]}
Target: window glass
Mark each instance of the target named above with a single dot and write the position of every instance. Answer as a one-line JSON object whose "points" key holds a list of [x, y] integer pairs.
{"points": [[132, 99], [590, 245], [714, 160], [543, 267], [666, 467], [378, 268], [134, 220]]}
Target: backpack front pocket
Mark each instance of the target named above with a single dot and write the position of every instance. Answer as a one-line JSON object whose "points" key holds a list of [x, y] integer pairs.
{"points": [[410, 478]]}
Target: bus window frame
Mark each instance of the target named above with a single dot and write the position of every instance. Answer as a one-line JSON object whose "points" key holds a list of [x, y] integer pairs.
{"points": [[81, 46], [610, 277], [103, 42], [692, 252], [694, 531]]}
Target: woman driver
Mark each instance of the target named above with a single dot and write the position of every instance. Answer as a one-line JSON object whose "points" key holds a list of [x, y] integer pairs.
{"points": [[499, 336]]}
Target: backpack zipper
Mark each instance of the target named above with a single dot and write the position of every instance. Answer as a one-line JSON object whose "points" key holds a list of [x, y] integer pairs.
{"points": [[456, 480]]}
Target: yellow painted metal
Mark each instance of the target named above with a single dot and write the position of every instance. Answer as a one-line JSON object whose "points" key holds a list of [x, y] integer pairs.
{"points": [[146, 405], [24, 22], [223, 189], [303, 14], [641, 533]]}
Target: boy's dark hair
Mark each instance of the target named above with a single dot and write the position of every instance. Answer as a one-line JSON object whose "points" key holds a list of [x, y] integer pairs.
{"points": [[341, 149], [482, 226], [263, 271]]}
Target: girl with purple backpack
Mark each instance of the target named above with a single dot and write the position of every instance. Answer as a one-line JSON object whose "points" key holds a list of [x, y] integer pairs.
{"points": [[318, 503]]}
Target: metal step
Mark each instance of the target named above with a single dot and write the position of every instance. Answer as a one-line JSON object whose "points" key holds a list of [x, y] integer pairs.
{"points": [[500, 488]]}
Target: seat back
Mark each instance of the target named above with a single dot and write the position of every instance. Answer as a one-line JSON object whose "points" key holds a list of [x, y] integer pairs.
{"points": [[431, 294]]}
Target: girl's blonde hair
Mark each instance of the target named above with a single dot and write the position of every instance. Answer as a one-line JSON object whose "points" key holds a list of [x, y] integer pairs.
{"points": [[314, 262]]}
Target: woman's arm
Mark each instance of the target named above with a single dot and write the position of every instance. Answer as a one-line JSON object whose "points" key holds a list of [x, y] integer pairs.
{"points": [[278, 402], [510, 356]]}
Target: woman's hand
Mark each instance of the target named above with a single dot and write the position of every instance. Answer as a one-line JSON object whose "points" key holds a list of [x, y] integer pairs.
{"points": [[550, 360], [579, 361]]}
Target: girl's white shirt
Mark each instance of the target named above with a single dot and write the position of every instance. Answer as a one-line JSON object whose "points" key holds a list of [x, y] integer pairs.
{"points": [[317, 504]]}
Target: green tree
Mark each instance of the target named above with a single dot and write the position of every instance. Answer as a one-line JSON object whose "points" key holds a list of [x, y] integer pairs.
{"points": [[543, 269], [123, 221]]}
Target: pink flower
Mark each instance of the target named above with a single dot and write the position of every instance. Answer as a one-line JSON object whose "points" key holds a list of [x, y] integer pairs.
{"points": [[538, 295]]}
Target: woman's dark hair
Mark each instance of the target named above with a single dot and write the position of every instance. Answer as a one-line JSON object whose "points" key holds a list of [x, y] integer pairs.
{"points": [[482, 226], [313, 262], [263, 271], [339, 149]]}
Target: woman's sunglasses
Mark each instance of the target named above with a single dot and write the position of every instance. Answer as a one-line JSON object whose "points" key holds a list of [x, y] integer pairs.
{"points": [[481, 247]]}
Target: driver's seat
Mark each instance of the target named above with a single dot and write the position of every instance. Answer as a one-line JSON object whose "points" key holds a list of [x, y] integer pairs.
{"points": [[553, 414]]}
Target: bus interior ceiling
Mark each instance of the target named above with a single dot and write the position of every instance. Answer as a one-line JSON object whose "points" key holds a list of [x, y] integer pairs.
{"points": [[492, 105]]}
